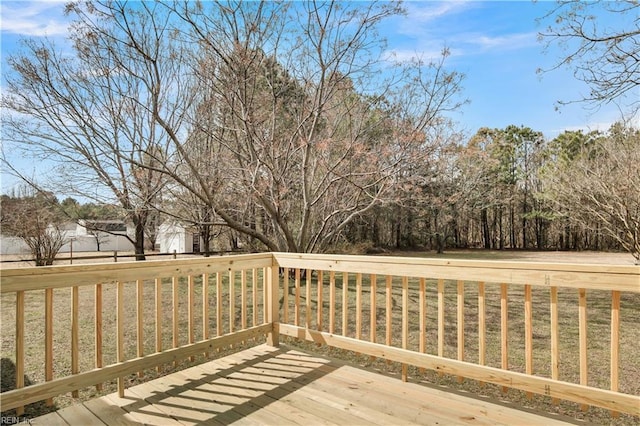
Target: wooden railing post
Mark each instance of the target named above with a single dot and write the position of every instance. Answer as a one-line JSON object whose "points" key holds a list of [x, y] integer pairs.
{"points": [[273, 308]]}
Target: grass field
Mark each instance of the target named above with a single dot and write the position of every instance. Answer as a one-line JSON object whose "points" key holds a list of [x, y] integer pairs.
{"points": [[598, 315]]}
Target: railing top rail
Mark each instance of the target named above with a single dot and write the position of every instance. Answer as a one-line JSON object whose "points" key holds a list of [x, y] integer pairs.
{"points": [[603, 277], [59, 276]]}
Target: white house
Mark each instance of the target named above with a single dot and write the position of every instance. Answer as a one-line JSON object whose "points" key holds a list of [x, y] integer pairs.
{"points": [[174, 236]]}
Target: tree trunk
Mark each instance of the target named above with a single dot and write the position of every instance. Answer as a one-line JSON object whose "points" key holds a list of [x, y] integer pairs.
{"points": [[138, 242], [485, 229]]}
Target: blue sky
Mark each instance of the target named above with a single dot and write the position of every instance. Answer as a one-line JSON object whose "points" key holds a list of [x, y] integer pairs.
{"points": [[495, 44]]}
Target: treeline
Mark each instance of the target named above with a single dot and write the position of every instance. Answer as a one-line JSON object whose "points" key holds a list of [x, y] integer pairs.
{"points": [[512, 189]]}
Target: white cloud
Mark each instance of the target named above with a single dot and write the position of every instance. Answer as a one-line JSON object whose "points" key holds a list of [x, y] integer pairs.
{"points": [[33, 18], [508, 41], [428, 11]]}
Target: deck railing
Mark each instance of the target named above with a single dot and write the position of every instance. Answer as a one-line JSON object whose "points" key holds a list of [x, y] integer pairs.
{"points": [[549, 329]]}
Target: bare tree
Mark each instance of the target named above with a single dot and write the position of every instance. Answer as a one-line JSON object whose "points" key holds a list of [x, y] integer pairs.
{"points": [[599, 187], [88, 110], [34, 219], [606, 57], [311, 128]]}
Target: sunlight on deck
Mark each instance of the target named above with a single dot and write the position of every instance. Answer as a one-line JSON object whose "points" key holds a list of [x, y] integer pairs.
{"points": [[266, 385]]}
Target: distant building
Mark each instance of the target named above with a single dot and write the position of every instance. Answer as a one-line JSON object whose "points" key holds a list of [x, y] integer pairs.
{"points": [[181, 238]]}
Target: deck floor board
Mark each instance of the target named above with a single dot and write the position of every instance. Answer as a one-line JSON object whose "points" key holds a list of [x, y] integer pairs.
{"points": [[265, 385]]}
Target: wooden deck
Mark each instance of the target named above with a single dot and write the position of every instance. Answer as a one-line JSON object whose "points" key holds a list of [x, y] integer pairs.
{"points": [[270, 386]]}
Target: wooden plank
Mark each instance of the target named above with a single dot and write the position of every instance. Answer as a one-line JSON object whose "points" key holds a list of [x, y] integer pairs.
{"points": [[374, 312], [582, 337], [615, 342], [108, 413], [98, 330], [555, 337], [320, 309], [504, 330], [19, 347], [345, 303], [62, 276], [528, 383], [602, 277], [528, 333], [51, 419], [140, 321], [75, 333], [78, 414], [332, 302], [158, 305], [140, 412], [48, 338], [460, 324], [119, 333], [297, 298], [358, 306], [43, 390]]}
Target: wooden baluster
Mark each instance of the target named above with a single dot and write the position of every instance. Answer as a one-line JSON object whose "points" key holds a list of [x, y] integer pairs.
{"points": [[232, 300], [243, 286], [615, 342], [555, 338], [405, 322], [191, 301], [332, 302], [440, 319], [20, 345], [582, 336], [120, 332], [358, 306], [205, 309], [48, 339], [504, 330], [345, 303], [422, 317], [75, 330], [528, 333], [265, 278], [389, 307], [319, 304], [139, 322], [307, 302], [175, 306], [482, 326], [254, 294], [297, 298], [273, 312], [158, 303], [219, 304], [374, 312], [285, 297], [460, 323]]}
